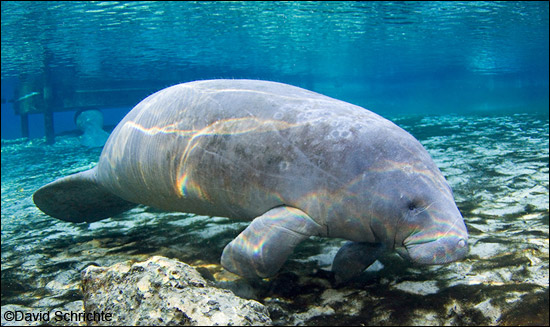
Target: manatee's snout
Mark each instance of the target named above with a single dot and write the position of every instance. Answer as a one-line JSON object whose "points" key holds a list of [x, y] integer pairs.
{"points": [[438, 234], [444, 250]]}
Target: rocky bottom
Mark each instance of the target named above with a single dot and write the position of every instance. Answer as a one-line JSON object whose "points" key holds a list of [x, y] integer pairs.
{"points": [[497, 167]]}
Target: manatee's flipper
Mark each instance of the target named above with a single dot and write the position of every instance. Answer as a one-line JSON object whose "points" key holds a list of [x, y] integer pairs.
{"points": [[79, 198], [263, 247], [353, 258]]}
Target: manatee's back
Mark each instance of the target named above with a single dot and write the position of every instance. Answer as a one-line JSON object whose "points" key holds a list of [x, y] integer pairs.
{"points": [[232, 148]]}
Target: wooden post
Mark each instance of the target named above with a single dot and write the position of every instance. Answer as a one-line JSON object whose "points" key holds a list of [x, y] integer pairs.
{"points": [[17, 108], [49, 100], [48, 113]]}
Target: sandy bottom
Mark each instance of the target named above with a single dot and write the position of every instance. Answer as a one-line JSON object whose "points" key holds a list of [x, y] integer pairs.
{"points": [[496, 165]]}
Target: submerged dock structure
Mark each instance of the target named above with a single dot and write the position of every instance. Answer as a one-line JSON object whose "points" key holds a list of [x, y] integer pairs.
{"points": [[46, 98]]}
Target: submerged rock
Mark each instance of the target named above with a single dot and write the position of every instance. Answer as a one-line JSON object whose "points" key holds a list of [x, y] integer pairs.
{"points": [[162, 291]]}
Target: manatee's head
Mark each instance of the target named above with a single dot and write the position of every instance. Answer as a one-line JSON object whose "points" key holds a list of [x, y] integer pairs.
{"points": [[431, 230], [413, 208]]}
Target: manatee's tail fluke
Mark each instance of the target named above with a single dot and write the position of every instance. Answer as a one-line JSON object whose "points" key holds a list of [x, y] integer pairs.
{"points": [[79, 198]]}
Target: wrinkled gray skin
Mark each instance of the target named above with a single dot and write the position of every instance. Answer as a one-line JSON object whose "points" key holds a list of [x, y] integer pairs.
{"points": [[294, 162]]}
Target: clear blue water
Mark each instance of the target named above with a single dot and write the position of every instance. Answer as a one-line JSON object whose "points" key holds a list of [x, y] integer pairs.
{"points": [[389, 57], [468, 79]]}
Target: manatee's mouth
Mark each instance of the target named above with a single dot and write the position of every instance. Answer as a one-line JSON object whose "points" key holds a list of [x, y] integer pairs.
{"points": [[435, 252]]}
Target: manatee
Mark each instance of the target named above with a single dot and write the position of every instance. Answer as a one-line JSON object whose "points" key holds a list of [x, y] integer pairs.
{"points": [[293, 162], [90, 122]]}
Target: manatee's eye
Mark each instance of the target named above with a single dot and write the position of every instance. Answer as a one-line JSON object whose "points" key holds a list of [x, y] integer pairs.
{"points": [[412, 206]]}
